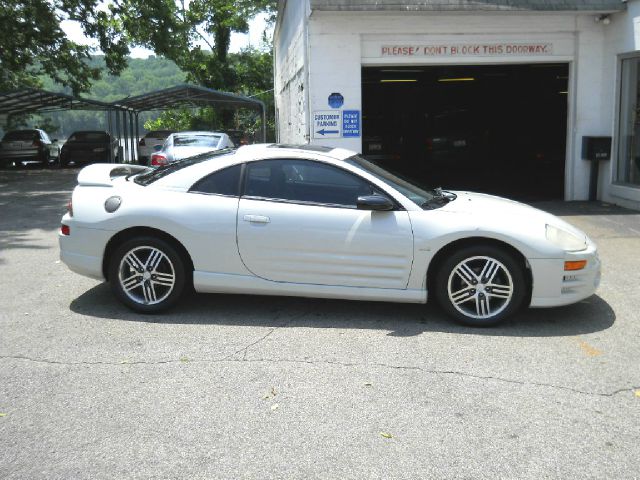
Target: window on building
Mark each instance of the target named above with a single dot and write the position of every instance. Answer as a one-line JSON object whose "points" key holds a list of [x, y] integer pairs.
{"points": [[628, 170]]}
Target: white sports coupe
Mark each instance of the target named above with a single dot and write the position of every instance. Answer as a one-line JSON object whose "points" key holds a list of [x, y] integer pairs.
{"points": [[317, 222]]}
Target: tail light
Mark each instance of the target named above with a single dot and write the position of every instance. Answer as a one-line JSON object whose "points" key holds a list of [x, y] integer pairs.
{"points": [[158, 160], [141, 143], [65, 230], [429, 143]]}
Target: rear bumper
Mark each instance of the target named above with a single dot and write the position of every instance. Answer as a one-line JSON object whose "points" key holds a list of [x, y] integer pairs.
{"points": [[82, 251], [12, 155], [554, 287], [85, 265]]}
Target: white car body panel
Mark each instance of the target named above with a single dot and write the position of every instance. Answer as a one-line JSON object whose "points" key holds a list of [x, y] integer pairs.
{"points": [[286, 242], [310, 250]]}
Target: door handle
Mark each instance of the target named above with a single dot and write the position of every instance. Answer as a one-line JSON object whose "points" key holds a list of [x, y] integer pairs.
{"points": [[256, 219]]}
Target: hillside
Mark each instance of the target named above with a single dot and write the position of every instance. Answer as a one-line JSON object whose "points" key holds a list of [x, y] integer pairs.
{"points": [[141, 76]]}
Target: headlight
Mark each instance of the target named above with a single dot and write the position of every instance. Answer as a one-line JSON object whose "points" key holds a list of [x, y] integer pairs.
{"points": [[565, 240]]}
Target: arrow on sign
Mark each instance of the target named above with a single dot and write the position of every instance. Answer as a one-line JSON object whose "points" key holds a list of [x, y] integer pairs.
{"points": [[326, 132]]}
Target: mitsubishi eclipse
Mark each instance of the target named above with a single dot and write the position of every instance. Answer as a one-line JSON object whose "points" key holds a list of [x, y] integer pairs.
{"points": [[317, 222]]}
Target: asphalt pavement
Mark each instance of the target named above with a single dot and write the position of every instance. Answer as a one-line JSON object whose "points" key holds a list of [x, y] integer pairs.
{"points": [[235, 387]]}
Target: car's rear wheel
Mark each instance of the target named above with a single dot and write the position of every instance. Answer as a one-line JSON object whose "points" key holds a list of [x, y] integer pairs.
{"points": [[481, 286], [147, 274]]}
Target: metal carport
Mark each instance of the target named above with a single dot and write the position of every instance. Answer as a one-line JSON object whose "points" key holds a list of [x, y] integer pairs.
{"points": [[192, 96], [122, 115], [33, 100]]}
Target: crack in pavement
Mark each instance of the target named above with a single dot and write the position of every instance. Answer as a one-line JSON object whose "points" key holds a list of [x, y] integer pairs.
{"points": [[228, 359], [264, 337]]}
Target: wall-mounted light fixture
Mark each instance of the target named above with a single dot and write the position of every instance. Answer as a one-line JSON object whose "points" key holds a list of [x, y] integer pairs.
{"points": [[605, 19]]}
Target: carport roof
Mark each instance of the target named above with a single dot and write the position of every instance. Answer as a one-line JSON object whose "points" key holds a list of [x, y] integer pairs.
{"points": [[469, 5], [32, 100], [188, 96]]}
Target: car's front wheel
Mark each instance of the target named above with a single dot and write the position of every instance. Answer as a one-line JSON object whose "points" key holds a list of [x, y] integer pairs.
{"points": [[481, 286], [147, 274]]}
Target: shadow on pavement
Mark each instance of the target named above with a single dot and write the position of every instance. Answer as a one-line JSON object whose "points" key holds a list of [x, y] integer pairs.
{"points": [[581, 208], [32, 199], [402, 320]]}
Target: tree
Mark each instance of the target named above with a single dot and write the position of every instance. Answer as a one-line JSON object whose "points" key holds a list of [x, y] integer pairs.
{"points": [[33, 43], [253, 72], [195, 36]]}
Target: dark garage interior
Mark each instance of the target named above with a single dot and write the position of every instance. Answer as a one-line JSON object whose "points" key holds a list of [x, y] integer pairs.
{"points": [[497, 129]]}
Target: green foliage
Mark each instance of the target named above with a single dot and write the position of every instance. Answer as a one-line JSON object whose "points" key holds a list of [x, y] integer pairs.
{"points": [[254, 76], [195, 36], [32, 43], [178, 119]]}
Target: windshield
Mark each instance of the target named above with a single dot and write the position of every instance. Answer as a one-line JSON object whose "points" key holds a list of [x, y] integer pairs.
{"points": [[161, 172], [415, 193], [20, 135], [196, 141]]}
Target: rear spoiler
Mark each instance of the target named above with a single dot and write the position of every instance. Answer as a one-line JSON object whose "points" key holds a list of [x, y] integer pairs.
{"points": [[103, 174]]}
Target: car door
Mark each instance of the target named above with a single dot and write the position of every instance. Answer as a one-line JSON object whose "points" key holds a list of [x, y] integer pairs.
{"points": [[298, 222]]}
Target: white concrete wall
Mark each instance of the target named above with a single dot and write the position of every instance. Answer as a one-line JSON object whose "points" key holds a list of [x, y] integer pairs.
{"points": [[622, 36], [342, 42], [591, 103], [290, 79], [339, 43]]}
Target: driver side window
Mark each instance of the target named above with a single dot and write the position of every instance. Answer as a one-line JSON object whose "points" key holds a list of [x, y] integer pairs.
{"points": [[305, 181]]}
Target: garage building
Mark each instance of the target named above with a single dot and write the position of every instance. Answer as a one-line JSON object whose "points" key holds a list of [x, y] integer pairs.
{"points": [[500, 96]]}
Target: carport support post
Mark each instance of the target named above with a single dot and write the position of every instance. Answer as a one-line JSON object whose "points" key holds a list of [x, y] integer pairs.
{"points": [[118, 147], [110, 129], [137, 134], [264, 122], [125, 137], [133, 140]]}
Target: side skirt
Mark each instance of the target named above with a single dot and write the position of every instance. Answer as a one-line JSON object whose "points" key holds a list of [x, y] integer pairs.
{"points": [[206, 282]]}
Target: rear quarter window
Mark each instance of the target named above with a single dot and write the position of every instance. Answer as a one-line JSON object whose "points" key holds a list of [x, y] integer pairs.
{"points": [[222, 182]]}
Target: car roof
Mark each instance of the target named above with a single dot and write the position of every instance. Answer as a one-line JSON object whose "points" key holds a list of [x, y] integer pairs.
{"points": [[199, 132], [89, 131], [184, 178]]}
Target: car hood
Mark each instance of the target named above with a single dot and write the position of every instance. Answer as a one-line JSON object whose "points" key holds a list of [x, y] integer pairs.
{"points": [[489, 210]]}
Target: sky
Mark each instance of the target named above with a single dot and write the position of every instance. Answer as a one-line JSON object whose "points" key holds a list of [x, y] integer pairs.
{"points": [[238, 40]]}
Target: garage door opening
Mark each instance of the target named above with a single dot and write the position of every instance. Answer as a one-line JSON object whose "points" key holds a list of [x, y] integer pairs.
{"points": [[494, 129]]}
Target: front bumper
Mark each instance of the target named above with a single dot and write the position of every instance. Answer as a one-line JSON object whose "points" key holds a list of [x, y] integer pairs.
{"points": [[554, 287]]}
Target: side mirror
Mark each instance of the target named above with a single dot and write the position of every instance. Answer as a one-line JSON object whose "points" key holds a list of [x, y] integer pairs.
{"points": [[374, 202], [157, 148]]}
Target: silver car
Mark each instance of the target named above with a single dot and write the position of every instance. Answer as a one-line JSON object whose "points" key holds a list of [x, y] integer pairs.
{"points": [[24, 145], [147, 144], [187, 144]]}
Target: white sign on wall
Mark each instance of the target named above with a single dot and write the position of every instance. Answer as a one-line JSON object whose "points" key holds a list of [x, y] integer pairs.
{"points": [[327, 124], [467, 50]]}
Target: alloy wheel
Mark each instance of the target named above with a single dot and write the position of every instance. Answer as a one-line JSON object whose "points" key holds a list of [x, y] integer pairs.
{"points": [[146, 275], [480, 287]]}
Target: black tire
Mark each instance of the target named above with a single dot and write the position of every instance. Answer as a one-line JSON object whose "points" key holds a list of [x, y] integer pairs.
{"points": [[484, 303], [154, 296], [44, 158]]}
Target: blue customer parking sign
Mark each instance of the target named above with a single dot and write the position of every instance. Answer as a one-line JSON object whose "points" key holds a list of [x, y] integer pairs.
{"points": [[351, 123]]}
